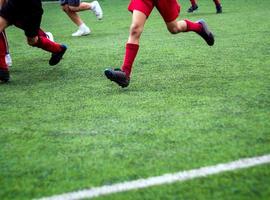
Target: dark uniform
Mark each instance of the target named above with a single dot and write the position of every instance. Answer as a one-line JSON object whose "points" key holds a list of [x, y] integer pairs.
{"points": [[25, 14], [70, 2]]}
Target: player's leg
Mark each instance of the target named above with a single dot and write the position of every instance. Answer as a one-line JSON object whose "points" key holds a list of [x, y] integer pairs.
{"points": [[141, 9], [170, 9], [46, 44], [37, 38], [122, 76], [193, 7], [132, 46], [218, 6], [75, 18], [48, 35], [93, 6]]}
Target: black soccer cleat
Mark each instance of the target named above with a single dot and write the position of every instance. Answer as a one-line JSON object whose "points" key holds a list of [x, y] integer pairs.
{"points": [[117, 76], [206, 34], [193, 8], [219, 9], [56, 57], [4, 76]]}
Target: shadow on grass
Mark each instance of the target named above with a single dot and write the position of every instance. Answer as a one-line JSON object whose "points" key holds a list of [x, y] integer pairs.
{"points": [[201, 14]]}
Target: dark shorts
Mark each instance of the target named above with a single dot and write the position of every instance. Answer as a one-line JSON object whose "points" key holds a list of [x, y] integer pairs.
{"points": [[169, 9], [23, 14], [74, 3]]}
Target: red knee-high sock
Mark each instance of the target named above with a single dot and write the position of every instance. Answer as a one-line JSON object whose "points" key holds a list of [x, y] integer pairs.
{"points": [[47, 45], [130, 55], [41, 33], [193, 2], [217, 2], [193, 26], [3, 51]]}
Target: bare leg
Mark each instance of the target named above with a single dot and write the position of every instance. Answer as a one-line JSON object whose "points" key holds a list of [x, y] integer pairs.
{"points": [[82, 7], [72, 15], [3, 24], [177, 26], [200, 27], [136, 28]]}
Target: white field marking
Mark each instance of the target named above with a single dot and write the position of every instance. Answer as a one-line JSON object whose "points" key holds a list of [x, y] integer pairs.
{"points": [[160, 180]]}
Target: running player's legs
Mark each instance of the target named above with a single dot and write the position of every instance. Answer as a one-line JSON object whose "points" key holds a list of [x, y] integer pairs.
{"points": [[71, 7]]}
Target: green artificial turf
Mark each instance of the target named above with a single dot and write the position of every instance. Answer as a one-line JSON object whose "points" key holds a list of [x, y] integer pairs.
{"points": [[67, 127]]}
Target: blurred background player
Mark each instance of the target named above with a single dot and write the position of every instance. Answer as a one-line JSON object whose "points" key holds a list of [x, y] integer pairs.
{"points": [[141, 9], [194, 6], [71, 7], [27, 16]]}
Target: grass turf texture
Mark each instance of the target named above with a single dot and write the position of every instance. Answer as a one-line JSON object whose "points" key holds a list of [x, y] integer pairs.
{"points": [[67, 128]]}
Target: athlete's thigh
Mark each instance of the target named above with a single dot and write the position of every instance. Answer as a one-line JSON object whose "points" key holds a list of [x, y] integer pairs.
{"points": [[169, 9], [3, 24], [31, 25], [74, 3], [144, 6]]}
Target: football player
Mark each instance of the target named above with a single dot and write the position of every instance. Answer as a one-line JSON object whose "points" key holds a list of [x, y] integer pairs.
{"points": [[141, 9], [27, 16], [71, 7]]}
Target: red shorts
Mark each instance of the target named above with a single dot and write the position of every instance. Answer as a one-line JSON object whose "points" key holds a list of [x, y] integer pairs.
{"points": [[169, 9]]}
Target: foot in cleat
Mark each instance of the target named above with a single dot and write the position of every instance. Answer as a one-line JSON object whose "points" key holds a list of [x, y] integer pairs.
{"points": [[193, 8], [219, 9], [4, 75], [56, 57], [206, 34], [97, 10], [118, 76]]}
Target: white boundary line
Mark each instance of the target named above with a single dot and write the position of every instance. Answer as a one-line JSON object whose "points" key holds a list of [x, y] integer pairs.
{"points": [[160, 180]]}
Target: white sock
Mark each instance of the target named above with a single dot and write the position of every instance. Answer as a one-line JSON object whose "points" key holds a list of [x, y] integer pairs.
{"points": [[83, 26], [93, 5]]}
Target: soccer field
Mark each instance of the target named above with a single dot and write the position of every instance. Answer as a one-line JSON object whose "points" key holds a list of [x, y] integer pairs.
{"points": [[67, 128]]}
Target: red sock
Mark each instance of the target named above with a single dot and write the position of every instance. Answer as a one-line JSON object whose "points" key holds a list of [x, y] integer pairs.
{"points": [[193, 2], [193, 26], [217, 2], [3, 51], [47, 45], [41, 33], [130, 55]]}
